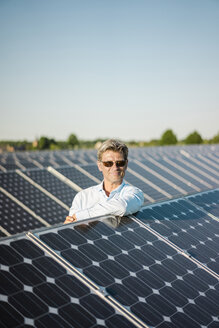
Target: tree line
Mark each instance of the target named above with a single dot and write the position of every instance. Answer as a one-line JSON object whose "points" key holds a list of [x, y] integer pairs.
{"points": [[72, 142]]}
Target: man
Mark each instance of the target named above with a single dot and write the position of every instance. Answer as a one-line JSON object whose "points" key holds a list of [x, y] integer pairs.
{"points": [[112, 196]]}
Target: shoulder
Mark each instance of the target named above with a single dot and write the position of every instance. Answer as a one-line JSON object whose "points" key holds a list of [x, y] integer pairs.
{"points": [[88, 191], [129, 188]]}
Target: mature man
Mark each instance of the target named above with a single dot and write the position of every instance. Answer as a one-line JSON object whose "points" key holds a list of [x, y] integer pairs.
{"points": [[113, 196]]}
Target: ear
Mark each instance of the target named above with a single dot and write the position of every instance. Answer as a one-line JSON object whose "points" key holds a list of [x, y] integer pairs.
{"points": [[99, 166]]}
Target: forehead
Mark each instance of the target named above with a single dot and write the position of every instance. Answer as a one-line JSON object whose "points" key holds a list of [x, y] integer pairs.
{"points": [[112, 155]]}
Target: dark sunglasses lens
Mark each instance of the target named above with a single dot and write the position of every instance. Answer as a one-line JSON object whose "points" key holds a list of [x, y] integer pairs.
{"points": [[120, 163], [108, 164]]}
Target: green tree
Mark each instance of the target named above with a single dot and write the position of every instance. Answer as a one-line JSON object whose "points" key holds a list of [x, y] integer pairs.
{"points": [[73, 140], [215, 139], [193, 138], [45, 143], [168, 138]]}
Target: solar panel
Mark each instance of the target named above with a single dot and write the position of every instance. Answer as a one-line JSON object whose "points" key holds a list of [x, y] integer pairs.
{"points": [[189, 228], [33, 198], [93, 170], [183, 173], [161, 184], [168, 176], [52, 184], [145, 187], [209, 201], [36, 291], [134, 268], [13, 218], [77, 177], [198, 174]]}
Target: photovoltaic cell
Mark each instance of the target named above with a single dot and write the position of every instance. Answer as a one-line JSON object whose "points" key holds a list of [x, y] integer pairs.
{"points": [[36, 291], [143, 273], [187, 227]]}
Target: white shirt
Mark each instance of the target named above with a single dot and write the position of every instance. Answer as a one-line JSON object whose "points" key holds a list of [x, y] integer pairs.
{"points": [[93, 201]]}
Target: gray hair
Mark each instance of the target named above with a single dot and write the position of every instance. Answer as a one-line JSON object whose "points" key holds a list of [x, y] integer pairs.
{"points": [[114, 145]]}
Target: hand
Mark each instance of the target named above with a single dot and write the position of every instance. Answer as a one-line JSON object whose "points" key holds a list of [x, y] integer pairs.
{"points": [[70, 219]]}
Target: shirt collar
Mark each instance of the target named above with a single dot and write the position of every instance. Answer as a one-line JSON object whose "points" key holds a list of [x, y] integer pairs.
{"points": [[100, 188]]}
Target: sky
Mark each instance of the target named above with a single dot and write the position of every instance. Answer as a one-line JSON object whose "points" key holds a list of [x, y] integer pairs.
{"points": [[127, 69]]}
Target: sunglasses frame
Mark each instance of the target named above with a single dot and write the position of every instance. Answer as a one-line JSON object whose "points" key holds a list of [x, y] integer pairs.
{"points": [[116, 162]]}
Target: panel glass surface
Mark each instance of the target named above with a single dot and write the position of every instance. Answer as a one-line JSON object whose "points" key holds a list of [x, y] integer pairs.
{"points": [[196, 173], [146, 188], [33, 198], [14, 219], [93, 170], [168, 176], [77, 177], [209, 201], [187, 227], [183, 174], [36, 291], [158, 182], [52, 184], [143, 273]]}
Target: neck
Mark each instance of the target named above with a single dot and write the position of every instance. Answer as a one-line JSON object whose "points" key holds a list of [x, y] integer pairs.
{"points": [[109, 187]]}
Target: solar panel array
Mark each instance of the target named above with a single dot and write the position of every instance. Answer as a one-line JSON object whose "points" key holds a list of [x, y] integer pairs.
{"points": [[43, 184], [157, 268]]}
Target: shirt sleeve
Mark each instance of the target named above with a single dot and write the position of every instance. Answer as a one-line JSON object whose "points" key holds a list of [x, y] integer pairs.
{"points": [[125, 203]]}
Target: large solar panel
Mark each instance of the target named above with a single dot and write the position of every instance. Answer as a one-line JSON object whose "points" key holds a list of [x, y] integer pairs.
{"points": [[155, 194], [173, 178], [158, 182], [184, 173], [13, 218], [33, 198], [93, 170], [191, 229], [209, 201], [211, 182], [132, 266], [76, 176], [52, 184], [36, 291]]}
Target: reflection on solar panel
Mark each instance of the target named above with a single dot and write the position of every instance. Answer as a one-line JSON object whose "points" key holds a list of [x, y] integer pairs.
{"points": [[36, 291], [209, 201], [153, 281], [187, 227]]}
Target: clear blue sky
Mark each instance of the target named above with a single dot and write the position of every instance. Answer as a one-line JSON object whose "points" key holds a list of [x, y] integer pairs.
{"points": [[108, 68]]}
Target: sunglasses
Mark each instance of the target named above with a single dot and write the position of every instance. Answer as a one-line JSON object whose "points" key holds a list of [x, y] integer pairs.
{"points": [[118, 163]]}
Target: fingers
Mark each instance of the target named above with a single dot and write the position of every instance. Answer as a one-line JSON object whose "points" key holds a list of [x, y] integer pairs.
{"points": [[69, 219]]}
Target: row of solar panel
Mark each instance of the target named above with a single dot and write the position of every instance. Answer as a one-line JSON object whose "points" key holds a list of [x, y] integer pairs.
{"points": [[158, 269], [203, 155], [42, 197]]}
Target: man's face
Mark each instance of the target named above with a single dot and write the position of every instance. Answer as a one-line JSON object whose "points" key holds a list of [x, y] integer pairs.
{"points": [[113, 174]]}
